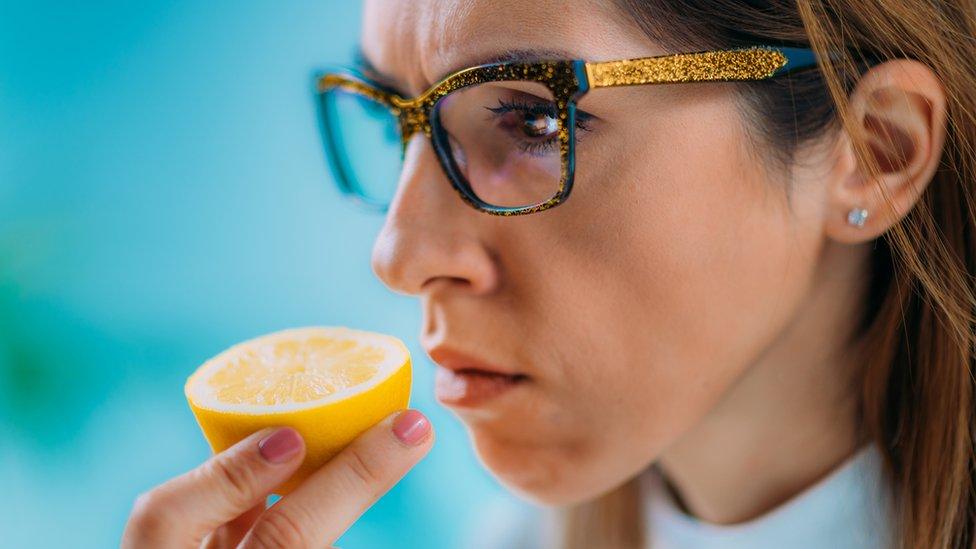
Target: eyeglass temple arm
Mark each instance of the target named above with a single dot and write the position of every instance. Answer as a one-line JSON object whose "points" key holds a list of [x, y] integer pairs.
{"points": [[754, 63]]}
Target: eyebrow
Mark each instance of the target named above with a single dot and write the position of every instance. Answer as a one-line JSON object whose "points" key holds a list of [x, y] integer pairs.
{"points": [[363, 62]]}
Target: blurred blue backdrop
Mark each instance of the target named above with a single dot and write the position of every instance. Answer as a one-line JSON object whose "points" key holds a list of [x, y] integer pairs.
{"points": [[163, 195]]}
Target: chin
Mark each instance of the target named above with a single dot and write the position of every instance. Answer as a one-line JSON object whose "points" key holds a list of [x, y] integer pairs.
{"points": [[548, 475]]}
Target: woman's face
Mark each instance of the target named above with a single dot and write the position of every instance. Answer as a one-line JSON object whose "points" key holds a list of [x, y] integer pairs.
{"points": [[632, 307]]}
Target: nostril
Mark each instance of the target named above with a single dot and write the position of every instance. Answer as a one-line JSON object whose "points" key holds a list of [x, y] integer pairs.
{"points": [[450, 280]]}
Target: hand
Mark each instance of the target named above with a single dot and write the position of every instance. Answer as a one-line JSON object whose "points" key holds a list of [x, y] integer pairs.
{"points": [[221, 503]]}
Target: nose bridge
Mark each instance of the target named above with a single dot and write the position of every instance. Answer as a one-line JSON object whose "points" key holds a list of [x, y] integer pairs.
{"points": [[426, 234]]}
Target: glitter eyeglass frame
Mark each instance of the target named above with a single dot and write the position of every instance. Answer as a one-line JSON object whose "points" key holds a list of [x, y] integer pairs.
{"points": [[568, 80]]}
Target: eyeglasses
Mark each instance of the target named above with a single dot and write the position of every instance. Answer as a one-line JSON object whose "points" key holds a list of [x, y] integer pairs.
{"points": [[504, 133]]}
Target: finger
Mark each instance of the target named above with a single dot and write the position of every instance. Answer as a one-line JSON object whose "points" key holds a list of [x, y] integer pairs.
{"points": [[232, 532], [226, 485], [328, 502]]}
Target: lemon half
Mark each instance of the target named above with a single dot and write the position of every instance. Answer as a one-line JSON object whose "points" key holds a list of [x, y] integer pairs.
{"points": [[330, 383]]}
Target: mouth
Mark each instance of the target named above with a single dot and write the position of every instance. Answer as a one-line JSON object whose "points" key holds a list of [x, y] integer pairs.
{"points": [[471, 387], [466, 382]]}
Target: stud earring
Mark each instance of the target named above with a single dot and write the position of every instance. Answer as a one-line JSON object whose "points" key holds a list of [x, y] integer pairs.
{"points": [[857, 217]]}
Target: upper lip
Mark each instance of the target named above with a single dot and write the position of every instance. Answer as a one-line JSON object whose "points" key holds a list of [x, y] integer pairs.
{"points": [[453, 359]]}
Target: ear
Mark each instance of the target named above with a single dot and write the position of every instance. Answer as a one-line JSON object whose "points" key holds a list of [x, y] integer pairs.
{"points": [[900, 111]]}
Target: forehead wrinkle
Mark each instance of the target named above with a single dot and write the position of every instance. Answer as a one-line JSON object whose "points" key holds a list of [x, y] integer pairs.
{"points": [[424, 40], [468, 32], [388, 40], [413, 37], [449, 25]]}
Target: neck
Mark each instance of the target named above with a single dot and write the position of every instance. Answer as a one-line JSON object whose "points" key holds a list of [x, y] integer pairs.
{"points": [[791, 418]]}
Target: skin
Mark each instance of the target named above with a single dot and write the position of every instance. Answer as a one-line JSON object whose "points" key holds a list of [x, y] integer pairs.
{"points": [[680, 307], [680, 310], [221, 503]]}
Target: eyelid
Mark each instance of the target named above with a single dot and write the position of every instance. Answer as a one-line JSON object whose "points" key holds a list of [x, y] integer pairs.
{"points": [[582, 117], [580, 113]]}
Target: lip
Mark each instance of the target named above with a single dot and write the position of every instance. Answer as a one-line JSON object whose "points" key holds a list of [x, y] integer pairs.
{"points": [[459, 361], [466, 382], [472, 388]]}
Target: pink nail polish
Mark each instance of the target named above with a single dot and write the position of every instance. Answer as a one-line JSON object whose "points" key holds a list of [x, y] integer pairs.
{"points": [[411, 427], [281, 445]]}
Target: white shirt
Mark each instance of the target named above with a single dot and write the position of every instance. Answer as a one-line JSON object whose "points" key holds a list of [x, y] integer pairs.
{"points": [[849, 508]]}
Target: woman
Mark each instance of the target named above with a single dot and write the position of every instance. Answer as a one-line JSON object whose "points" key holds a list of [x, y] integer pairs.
{"points": [[752, 320]]}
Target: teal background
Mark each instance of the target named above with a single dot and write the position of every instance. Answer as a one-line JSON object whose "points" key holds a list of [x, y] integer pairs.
{"points": [[163, 195]]}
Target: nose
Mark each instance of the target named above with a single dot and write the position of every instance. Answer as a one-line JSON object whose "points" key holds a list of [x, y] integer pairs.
{"points": [[430, 234]]}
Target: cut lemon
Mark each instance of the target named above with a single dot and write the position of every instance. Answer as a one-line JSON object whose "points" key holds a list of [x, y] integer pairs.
{"points": [[329, 383]]}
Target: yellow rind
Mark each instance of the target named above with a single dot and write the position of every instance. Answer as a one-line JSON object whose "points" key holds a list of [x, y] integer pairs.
{"points": [[326, 429]]}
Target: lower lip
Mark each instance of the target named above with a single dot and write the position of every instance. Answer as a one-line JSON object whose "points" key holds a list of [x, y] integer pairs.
{"points": [[472, 388]]}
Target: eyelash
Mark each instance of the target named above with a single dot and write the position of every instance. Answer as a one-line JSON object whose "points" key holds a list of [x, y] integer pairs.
{"points": [[539, 148]]}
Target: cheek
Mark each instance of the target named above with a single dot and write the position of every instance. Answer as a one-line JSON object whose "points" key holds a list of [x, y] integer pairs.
{"points": [[665, 286], [646, 296], [707, 258], [709, 262]]}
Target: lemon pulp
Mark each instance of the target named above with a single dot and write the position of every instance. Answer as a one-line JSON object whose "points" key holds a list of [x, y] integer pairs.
{"points": [[329, 383]]}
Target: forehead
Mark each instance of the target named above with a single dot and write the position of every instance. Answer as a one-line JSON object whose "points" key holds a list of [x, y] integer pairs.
{"points": [[417, 42]]}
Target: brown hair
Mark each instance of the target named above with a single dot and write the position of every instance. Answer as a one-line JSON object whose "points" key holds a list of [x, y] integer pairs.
{"points": [[918, 383]]}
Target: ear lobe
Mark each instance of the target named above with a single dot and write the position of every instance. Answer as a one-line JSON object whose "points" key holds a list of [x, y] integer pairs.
{"points": [[899, 108]]}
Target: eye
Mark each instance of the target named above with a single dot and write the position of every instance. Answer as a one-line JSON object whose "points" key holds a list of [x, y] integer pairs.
{"points": [[539, 125], [526, 120], [533, 125]]}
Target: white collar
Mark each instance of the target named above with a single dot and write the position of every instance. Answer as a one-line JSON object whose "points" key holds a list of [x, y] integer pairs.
{"points": [[847, 508]]}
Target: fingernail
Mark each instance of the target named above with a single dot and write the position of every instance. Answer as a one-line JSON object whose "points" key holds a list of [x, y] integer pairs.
{"points": [[281, 445], [411, 427]]}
